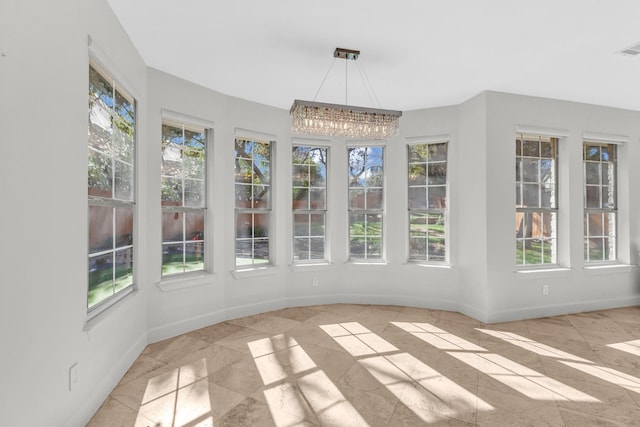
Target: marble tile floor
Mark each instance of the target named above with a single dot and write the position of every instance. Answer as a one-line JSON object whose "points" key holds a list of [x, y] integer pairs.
{"points": [[364, 365]]}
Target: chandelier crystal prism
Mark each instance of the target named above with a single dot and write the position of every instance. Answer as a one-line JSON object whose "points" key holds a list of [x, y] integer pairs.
{"points": [[317, 118]]}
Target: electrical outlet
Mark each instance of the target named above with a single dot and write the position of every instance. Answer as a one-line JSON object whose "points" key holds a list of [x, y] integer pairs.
{"points": [[314, 281], [73, 375], [545, 289]]}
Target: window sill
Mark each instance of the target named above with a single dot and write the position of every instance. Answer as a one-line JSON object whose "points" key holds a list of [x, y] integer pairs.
{"points": [[361, 264], [608, 268], [94, 317], [550, 270], [246, 273], [316, 266], [171, 284], [428, 265]]}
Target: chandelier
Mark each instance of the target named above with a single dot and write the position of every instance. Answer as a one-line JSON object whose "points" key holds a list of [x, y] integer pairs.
{"points": [[317, 118]]}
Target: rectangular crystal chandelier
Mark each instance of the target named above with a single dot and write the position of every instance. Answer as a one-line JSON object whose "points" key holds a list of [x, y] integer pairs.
{"points": [[317, 118]]}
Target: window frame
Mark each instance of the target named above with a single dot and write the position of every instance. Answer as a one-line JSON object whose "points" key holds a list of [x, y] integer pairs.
{"points": [[96, 201], [253, 211], [525, 212], [381, 211], [308, 210], [611, 211], [205, 128], [443, 211]]}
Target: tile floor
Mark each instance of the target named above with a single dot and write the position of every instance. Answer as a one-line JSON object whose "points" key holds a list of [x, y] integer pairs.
{"points": [[363, 365]]}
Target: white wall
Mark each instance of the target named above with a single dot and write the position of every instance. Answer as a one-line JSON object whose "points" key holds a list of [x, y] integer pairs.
{"points": [[43, 219], [515, 295]]}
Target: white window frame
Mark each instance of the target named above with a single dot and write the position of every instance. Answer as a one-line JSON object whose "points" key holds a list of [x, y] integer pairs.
{"points": [[428, 210], [184, 122], [612, 212], [381, 211], [523, 212], [112, 202], [242, 134], [308, 210]]}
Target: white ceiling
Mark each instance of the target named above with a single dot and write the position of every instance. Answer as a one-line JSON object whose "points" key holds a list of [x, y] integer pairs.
{"points": [[416, 53]]}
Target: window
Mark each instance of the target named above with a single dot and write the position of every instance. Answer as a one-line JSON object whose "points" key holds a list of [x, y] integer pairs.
{"points": [[183, 198], [600, 202], [536, 200], [366, 202], [427, 179], [111, 188], [309, 196], [252, 201]]}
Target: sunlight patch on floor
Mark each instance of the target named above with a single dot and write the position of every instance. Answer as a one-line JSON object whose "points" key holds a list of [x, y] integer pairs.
{"points": [[632, 347], [178, 398], [534, 346], [299, 390]]}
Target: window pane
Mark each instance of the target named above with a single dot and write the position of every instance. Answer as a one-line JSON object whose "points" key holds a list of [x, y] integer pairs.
{"points": [[593, 197], [592, 173], [194, 193], [531, 196], [300, 176], [417, 198], [356, 198], [374, 199], [194, 226], [124, 227], [317, 225], [531, 170], [301, 225], [436, 249], [194, 256], [172, 227], [300, 198], [123, 146], [437, 152], [418, 153], [318, 175], [123, 181], [317, 199], [244, 225], [100, 278], [592, 152], [301, 249], [100, 131], [316, 248], [437, 197], [100, 228], [100, 175], [261, 251], [124, 269], [171, 191], [172, 258], [531, 148], [437, 173], [417, 174]]}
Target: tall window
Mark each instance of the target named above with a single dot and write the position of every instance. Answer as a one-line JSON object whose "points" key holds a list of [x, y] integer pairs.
{"points": [[366, 202], [309, 191], [600, 202], [253, 201], [183, 198], [536, 200], [427, 201], [111, 189]]}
